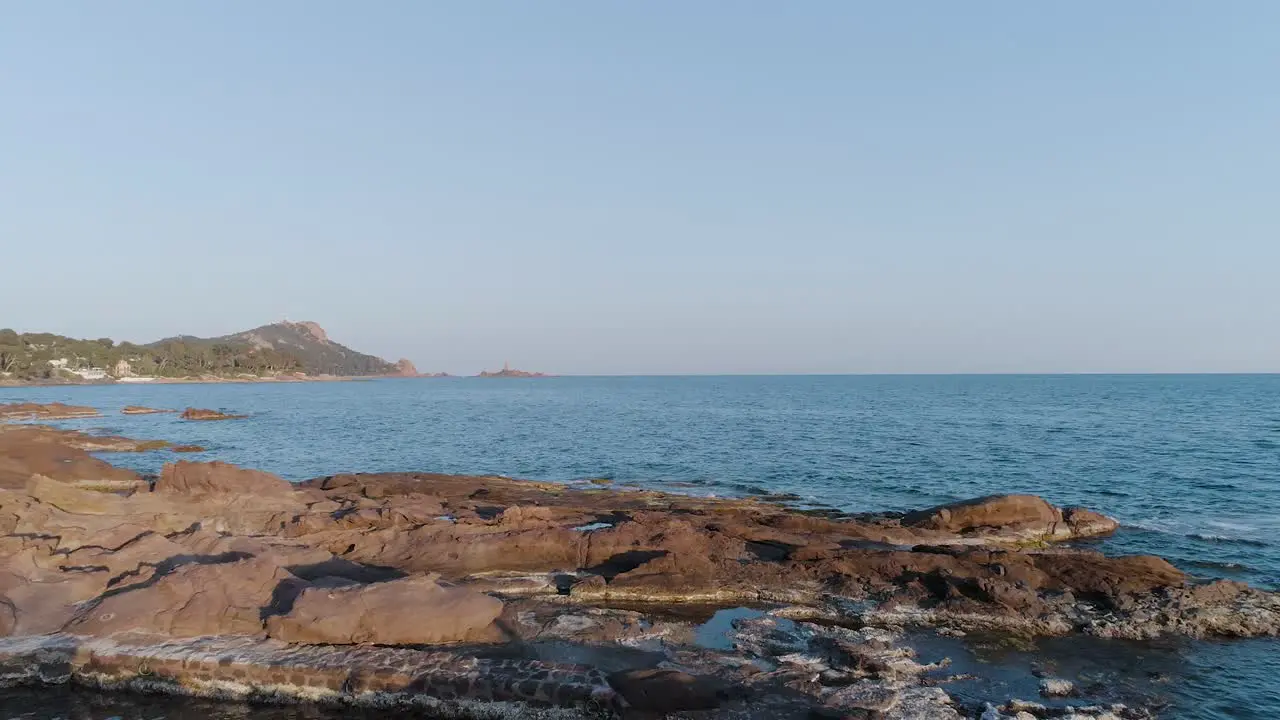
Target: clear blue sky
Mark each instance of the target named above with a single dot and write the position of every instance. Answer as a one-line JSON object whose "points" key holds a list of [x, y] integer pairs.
{"points": [[628, 187]]}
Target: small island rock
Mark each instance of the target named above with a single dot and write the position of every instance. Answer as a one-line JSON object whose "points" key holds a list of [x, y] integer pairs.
{"points": [[141, 410], [202, 414]]}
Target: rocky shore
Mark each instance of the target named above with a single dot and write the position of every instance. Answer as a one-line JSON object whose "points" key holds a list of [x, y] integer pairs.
{"points": [[492, 597]]}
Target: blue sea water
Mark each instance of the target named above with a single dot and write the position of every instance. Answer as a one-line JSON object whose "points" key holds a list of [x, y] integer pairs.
{"points": [[1190, 464]]}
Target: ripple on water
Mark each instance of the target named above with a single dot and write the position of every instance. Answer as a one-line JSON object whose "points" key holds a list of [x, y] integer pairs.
{"points": [[1228, 540]]}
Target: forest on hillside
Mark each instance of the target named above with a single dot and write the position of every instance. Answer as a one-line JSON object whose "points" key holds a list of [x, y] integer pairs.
{"points": [[45, 356]]}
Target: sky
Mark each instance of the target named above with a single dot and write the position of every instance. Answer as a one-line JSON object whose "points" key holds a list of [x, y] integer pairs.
{"points": [[587, 187]]}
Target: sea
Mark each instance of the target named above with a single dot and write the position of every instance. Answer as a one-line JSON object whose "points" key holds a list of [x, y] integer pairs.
{"points": [[1190, 464]]}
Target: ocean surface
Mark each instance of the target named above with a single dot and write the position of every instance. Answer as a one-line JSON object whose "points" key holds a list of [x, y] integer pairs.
{"points": [[1189, 464]]}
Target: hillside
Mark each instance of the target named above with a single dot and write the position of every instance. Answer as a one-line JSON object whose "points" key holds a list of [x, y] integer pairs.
{"points": [[310, 345], [46, 357], [270, 350]]}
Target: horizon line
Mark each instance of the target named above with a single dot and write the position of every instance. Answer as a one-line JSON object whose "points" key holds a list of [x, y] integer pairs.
{"points": [[980, 373]]}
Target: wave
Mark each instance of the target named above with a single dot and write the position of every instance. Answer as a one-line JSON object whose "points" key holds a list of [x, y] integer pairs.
{"points": [[1225, 538], [1113, 492], [1228, 540], [1232, 526], [1216, 565], [1216, 486], [1150, 527]]}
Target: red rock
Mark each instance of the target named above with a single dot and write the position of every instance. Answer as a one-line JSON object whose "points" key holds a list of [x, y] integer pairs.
{"points": [[1012, 518], [1093, 574], [1087, 523], [994, 511], [202, 414], [140, 410], [36, 597], [219, 598], [416, 610], [405, 367], [219, 478], [50, 411]]}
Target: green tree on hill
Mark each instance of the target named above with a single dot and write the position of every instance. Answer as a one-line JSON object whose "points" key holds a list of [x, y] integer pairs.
{"points": [[29, 356]]}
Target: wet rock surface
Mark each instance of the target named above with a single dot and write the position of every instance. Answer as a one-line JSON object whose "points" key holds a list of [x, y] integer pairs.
{"points": [[141, 410], [449, 591], [49, 411]]}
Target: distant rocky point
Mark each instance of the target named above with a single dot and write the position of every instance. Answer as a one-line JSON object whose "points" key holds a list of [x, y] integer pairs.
{"points": [[508, 372], [405, 368], [307, 343]]}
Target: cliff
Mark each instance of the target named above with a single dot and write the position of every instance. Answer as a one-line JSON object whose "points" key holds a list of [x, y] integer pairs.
{"points": [[305, 341]]}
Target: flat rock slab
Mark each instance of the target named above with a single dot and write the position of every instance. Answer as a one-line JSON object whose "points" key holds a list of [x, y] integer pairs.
{"points": [[51, 411], [141, 410], [262, 669]]}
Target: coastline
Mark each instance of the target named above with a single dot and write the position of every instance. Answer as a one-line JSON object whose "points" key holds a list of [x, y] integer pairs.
{"points": [[586, 591]]}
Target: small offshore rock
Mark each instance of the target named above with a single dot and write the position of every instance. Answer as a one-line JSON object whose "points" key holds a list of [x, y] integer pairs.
{"points": [[204, 414], [142, 410]]}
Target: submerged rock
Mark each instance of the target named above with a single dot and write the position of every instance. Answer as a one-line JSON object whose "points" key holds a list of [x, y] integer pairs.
{"points": [[60, 455], [218, 478], [141, 410], [49, 411], [203, 414], [18, 436]]}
